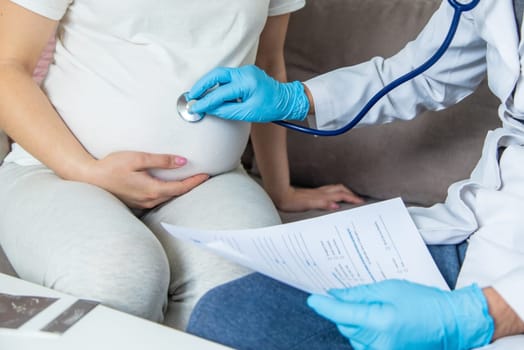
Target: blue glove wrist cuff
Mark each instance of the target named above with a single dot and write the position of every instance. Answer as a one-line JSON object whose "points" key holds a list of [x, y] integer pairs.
{"points": [[299, 104], [475, 324]]}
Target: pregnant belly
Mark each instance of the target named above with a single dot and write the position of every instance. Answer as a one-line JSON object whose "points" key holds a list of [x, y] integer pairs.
{"points": [[139, 114], [211, 146]]}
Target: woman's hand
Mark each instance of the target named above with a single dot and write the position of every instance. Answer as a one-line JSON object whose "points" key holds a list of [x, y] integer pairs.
{"points": [[125, 174], [325, 197]]}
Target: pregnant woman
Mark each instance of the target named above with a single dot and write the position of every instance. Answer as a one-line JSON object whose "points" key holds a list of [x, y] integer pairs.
{"points": [[101, 157]]}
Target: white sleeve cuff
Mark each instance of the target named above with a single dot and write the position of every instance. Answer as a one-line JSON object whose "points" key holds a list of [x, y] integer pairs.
{"points": [[322, 99], [282, 7]]}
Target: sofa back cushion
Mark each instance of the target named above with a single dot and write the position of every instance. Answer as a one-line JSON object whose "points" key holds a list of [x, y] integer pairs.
{"points": [[416, 160], [4, 145]]}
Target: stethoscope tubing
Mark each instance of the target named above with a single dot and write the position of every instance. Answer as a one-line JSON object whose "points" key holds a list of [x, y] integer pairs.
{"points": [[459, 9]]}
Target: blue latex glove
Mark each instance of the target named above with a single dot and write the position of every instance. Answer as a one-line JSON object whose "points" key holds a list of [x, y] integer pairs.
{"points": [[394, 314], [248, 94]]}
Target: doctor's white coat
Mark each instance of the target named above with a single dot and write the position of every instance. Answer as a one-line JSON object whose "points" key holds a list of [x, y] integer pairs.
{"points": [[488, 208]]}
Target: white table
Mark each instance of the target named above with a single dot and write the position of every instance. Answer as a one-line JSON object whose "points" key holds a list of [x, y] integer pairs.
{"points": [[101, 328], [105, 328]]}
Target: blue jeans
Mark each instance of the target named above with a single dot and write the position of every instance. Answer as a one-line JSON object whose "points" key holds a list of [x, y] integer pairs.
{"points": [[257, 312]]}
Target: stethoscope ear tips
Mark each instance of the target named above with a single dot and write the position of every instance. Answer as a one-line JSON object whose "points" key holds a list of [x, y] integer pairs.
{"points": [[182, 106]]}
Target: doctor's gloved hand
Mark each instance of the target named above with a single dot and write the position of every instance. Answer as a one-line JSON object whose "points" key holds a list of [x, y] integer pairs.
{"points": [[396, 314], [248, 94]]}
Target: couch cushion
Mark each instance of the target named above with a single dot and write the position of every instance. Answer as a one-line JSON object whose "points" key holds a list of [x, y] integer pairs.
{"points": [[5, 266], [417, 159], [4, 146]]}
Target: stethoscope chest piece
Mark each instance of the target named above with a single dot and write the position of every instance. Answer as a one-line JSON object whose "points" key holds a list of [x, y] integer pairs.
{"points": [[182, 107]]}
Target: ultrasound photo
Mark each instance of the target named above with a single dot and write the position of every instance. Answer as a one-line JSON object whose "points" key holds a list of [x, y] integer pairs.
{"points": [[15, 310]]}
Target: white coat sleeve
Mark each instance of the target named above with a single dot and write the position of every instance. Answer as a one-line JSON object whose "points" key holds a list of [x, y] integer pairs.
{"points": [[339, 95]]}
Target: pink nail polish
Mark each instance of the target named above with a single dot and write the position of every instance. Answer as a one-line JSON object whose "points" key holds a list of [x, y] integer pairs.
{"points": [[180, 161], [334, 206]]}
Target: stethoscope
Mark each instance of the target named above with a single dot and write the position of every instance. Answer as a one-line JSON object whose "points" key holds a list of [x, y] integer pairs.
{"points": [[183, 105]]}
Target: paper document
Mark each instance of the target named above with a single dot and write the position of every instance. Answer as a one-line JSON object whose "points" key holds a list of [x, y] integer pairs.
{"points": [[340, 250]]}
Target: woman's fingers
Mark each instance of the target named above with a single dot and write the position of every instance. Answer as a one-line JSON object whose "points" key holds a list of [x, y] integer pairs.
{"points": [[340, 189], [165, 191], [325, 197], [127, 176], [145, 161]]}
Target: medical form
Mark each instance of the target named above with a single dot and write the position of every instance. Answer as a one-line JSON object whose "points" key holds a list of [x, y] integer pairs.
{"points": [[362, 245]]}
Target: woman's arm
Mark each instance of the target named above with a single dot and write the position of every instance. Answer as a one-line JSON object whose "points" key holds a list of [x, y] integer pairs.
{"points": [[29, 119], [269, 140]]}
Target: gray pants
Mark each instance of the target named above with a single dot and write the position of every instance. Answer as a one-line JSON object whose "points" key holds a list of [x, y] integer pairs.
{"points": [[81, 240]]}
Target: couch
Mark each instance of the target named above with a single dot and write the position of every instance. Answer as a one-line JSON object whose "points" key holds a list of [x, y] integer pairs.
{"points": [[416, 160]]}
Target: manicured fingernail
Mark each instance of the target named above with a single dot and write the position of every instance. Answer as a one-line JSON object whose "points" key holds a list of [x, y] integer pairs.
{"points": [[334, 206], [180, 160]]}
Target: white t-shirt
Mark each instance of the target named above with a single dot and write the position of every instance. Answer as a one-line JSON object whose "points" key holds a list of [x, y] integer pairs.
{"points": [[119, 68]]}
